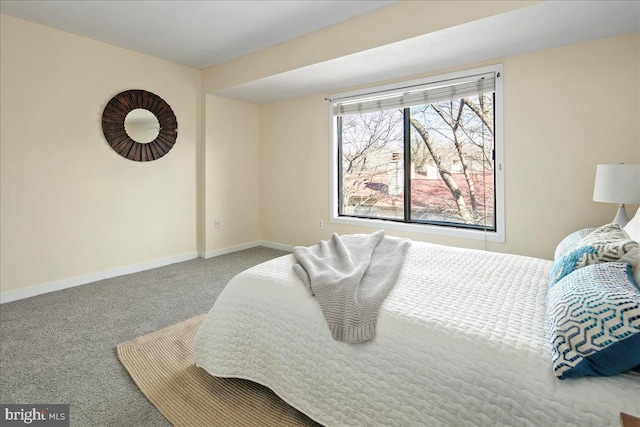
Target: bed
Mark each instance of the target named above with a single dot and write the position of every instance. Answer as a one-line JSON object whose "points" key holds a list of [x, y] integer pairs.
{"points": [[461, 340]]}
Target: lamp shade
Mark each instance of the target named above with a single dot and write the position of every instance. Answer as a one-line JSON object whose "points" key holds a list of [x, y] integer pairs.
{"points": [[618, 183]]}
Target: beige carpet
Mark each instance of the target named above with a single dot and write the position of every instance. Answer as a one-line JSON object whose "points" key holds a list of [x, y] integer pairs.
{"points": [[162, 366]]}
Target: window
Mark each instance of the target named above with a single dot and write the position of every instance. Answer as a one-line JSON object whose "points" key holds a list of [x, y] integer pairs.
{"points": [[422, 156]]}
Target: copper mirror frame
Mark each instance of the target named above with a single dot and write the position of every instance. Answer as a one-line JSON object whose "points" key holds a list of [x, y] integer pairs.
{"points": [[113, 125]]}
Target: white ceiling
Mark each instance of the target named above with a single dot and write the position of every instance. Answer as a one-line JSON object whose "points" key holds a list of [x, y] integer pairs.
{"points": [[202, 33], [194, 33], [542, 26]]}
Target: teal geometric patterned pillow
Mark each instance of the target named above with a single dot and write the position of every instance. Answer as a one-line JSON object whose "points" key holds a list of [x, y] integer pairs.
{"points": [[568, 242], [605, 244], [593, 317]]}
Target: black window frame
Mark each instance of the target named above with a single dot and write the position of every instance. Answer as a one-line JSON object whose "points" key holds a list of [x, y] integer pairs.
{"points": [[493, 228]]}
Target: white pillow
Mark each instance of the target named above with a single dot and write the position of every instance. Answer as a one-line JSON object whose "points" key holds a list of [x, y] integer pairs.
{"points": [[633, 230], [633, 227]]}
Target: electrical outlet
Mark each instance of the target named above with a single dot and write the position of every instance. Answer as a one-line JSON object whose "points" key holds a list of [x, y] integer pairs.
{"points": [[320, 224], [216, 223]]}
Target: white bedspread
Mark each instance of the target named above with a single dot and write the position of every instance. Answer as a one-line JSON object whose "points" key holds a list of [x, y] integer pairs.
{"points": [[460, 341]]}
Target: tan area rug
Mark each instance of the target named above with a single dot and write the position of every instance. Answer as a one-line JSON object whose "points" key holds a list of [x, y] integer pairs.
{"points": [[162, 366]]}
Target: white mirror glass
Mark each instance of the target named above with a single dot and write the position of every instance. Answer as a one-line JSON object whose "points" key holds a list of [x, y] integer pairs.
{"points": [[141, 125]]}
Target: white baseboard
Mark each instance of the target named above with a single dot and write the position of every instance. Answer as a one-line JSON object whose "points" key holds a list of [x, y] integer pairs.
{"points": [[135, 268], [93, 277], [244, 246], [278, 246], [230, 249]]}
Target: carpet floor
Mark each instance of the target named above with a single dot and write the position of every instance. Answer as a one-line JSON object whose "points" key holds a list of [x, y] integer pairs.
{"points": [[61, 347]]}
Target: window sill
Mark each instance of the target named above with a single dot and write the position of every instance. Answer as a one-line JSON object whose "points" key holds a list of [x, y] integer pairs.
{"points": [[491, 236]]}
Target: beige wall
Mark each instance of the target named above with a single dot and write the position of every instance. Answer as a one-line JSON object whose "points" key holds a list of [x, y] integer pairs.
{"points": [[566, 110], [294, 138], [232, 173], [70, 205], [584, 111]]}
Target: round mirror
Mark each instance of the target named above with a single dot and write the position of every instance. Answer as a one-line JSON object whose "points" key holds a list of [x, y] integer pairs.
{"points": [[141, 125]]}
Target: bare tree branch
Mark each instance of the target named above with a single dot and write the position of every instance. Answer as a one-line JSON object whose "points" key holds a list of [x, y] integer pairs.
{"points": [[486, 119], [455, 124], [444, 172]]}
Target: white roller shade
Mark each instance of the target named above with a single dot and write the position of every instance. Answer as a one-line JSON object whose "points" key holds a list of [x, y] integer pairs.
{"points": [[404, 97]]}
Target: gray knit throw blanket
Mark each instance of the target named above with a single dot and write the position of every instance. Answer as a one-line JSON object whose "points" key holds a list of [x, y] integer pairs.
{"points": [[351, 276]]}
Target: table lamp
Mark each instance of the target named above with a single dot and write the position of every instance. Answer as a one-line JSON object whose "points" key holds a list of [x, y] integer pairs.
{"points": [[619, 183]]}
